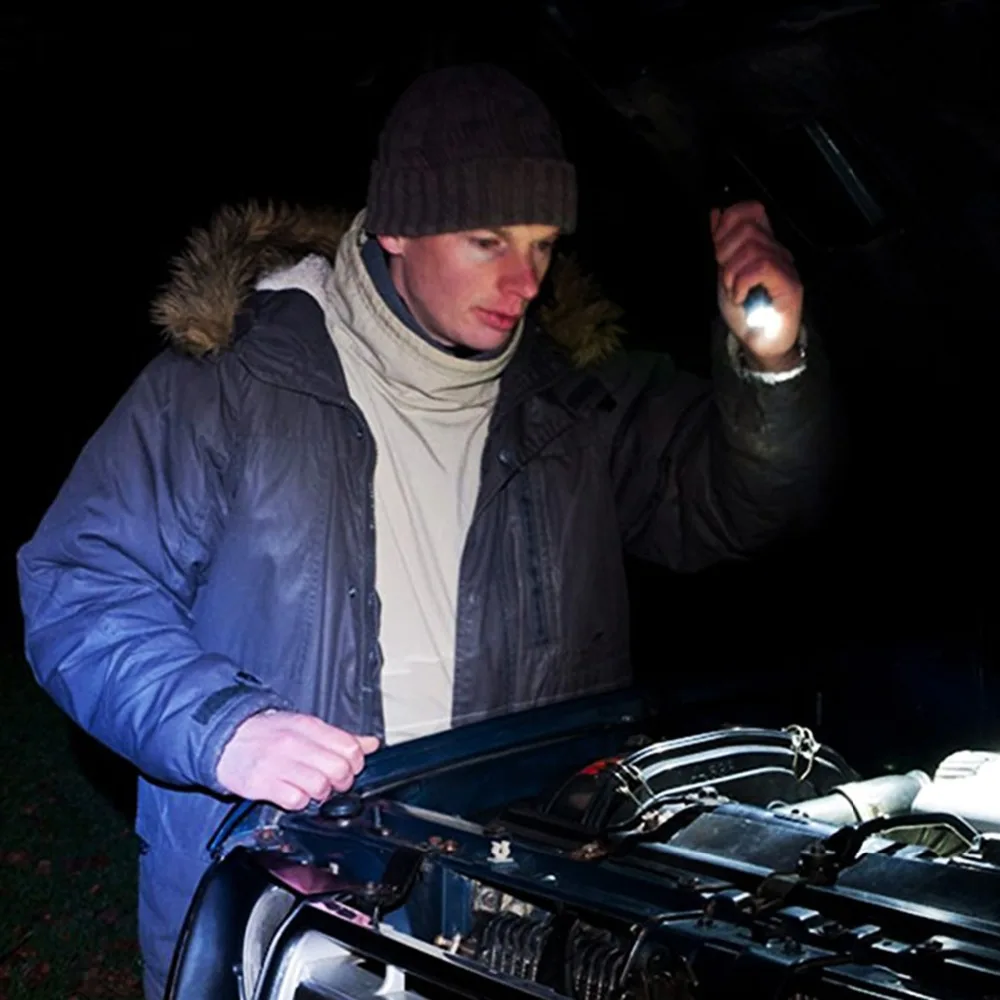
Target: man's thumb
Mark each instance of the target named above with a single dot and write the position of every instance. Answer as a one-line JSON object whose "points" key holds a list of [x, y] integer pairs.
{"points": [[369, 744]]}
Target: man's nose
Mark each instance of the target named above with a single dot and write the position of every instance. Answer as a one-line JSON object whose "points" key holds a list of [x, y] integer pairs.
{"points": [[521, 278]]}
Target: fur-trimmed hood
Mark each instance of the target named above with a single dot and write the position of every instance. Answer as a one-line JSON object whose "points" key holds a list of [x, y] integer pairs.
{"points": [[222, 263]]}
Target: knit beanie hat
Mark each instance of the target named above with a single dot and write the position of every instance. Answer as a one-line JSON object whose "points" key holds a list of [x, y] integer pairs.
{"points": [[469, 147]]}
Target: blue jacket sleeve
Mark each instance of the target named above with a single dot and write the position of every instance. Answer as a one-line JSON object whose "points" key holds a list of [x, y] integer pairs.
{"points": [[109, 580], [716, 471]]}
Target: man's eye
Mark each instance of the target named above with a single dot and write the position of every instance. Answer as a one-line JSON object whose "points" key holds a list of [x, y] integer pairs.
{"points": [[485, 242], [547, 247]]}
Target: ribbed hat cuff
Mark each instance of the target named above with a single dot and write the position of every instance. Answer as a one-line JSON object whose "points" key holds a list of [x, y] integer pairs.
{"points": [[471, 194]]}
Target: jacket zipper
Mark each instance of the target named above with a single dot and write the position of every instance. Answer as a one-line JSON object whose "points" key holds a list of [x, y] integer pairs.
{"points": [[532, 531], [369, 631]]}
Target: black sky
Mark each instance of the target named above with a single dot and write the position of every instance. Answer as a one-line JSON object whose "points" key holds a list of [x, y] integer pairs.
{"points": [[122, 142]]}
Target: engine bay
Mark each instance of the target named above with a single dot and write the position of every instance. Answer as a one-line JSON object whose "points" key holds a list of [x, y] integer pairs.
{"points": [[732, 862], [787, 773]]}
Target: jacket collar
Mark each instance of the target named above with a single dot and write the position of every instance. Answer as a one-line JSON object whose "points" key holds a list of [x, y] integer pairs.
{"points": [[292, 349], [215, 278]]}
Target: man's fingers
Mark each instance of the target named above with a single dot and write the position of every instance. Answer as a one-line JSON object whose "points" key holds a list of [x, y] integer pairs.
{"points": [[339, 768], [753, 260], [301, 740], [336, 741], [749, 236], [272, 750], [316, 784], [771, 274], [300, 783], [744, 213], [287, 796], [748, 254], [338, 754], [316, 778]]}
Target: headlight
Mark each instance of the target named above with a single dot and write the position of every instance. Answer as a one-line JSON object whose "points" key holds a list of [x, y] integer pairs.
{"points": [[317, 966], [268, 914]]}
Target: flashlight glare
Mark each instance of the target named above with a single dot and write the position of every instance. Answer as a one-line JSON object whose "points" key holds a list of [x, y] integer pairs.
{"points": [[765, 320]]}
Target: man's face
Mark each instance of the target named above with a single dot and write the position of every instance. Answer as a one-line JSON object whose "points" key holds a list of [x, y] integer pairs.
{"points": [[469, 289]]}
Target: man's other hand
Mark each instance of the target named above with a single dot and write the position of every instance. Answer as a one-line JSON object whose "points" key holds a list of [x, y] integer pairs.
{"points": [[748, 254], [290, 759]]}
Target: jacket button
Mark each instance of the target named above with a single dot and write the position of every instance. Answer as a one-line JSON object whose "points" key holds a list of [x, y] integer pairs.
{"points": [[352, 591], [505, 456]]}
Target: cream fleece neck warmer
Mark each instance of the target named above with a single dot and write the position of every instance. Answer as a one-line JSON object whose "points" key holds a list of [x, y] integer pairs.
{"points": [[429, 414]]}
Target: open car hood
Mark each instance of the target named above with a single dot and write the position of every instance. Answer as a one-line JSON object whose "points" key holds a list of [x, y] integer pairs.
{"points": [[600, 849]]}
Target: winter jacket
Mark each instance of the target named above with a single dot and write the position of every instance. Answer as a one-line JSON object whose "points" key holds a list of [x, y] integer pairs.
{"points": [[211, 554]]}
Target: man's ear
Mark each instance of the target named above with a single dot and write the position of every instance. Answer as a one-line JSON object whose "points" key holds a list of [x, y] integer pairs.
{"points": [[394, 245]]}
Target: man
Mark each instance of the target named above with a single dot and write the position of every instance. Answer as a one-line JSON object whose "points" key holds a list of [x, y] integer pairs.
{"points": [[368, 494]]}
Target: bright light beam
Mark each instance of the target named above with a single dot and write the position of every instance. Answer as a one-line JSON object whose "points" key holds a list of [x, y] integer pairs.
{"points": [[760, 312]]}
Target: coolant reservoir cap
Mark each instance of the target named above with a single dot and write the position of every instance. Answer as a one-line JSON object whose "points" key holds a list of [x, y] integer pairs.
{"points": [[342, 807]]}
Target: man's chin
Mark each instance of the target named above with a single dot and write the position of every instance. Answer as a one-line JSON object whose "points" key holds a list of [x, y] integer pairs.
{"points": [[483, 340], [493, 341]]}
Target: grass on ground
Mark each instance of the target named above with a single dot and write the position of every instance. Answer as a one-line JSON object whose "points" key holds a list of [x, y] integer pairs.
{"points": [[68, 856]]}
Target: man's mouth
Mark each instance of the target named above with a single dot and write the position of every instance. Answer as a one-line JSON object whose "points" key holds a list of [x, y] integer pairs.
{"points": [[498, 320]]}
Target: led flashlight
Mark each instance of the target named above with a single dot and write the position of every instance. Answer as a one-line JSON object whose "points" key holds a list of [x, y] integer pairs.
{"points": [[760, 312]]}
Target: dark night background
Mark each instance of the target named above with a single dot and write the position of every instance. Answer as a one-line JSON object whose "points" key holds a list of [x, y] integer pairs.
{"points": [[122, 137]]}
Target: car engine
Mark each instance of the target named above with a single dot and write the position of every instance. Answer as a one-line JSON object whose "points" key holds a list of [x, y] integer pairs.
{"points": [[587, 858]]}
